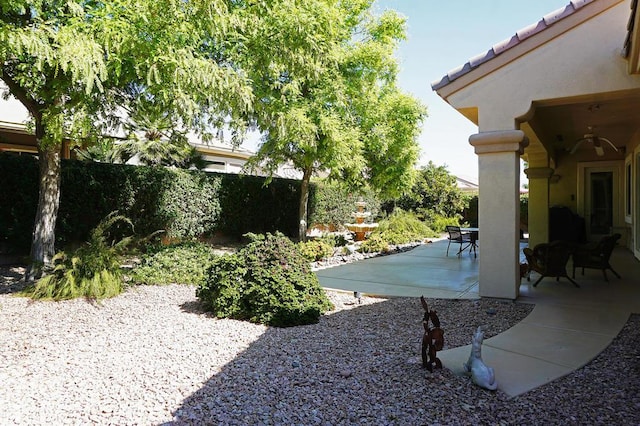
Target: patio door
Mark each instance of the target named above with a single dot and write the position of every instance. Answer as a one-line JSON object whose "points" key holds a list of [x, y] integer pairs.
{"points": [[601, 199]]}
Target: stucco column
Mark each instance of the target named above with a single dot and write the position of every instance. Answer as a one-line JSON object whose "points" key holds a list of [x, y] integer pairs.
{"points": [[538, 204], [499, 210]]}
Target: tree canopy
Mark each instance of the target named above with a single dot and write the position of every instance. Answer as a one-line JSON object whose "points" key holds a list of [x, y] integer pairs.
{"points": [[435, 191], [349, 119], [82, 67]]}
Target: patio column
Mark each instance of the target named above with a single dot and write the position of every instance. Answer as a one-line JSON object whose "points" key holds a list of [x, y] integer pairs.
{"points": [[538, 204], [499, 211]]}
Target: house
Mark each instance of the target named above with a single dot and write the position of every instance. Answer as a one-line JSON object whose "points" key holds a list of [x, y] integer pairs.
{"points": [[16, 137], [564, 95], [467, 185]]}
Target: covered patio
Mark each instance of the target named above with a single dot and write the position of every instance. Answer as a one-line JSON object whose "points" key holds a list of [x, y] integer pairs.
{"points": [[562, 95], [568, 327]]}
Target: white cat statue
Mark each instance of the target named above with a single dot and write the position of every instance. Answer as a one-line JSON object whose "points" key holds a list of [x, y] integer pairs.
{"points": [[481, 374]]}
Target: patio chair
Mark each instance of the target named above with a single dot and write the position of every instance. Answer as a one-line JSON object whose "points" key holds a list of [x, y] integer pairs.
{"points": [[456, 236], [596, 257], [549, 260]]}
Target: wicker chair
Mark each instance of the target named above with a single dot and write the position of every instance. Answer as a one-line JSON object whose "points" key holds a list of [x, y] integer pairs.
{"points": [[456, 236], [550, 260], [596, 257]]}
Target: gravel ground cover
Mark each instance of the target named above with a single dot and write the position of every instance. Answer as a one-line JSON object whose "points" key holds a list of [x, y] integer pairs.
{"points": [[151, 356]]}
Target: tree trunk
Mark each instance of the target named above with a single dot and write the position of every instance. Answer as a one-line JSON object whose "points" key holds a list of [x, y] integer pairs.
{"points": [[303, 208], [43, 238]]}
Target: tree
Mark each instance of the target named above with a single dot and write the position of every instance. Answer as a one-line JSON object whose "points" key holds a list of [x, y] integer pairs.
{"points": [[77, 66], [435, 191], [155, 139], [349, 118]]}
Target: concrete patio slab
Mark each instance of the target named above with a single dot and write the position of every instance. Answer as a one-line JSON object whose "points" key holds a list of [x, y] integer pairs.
{"points": [[568, 327], [411, 273]]}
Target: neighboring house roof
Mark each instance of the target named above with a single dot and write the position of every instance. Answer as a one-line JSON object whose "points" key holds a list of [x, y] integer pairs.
{"points": [[466, 184], [500, 48], [14, 136]]}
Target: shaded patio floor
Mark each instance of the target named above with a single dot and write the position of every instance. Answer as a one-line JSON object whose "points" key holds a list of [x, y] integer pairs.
{"points": [[568, 327]]}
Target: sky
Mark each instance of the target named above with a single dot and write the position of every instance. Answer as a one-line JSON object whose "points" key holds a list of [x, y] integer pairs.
{"points": [[442, 35]]}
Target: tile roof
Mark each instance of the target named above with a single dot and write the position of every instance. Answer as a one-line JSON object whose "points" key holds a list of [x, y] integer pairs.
{"points": [[501, 47]]}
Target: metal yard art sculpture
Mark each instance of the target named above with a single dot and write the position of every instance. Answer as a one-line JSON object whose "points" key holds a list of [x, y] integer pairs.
{"points": [[433, 338]]}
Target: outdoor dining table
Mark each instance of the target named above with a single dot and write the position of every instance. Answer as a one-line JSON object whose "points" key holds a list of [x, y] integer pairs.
{"points": [[475, 232]]}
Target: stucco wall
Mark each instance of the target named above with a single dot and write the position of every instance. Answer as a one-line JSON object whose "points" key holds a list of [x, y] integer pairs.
{"points": [[563, 193], [502, 96]]}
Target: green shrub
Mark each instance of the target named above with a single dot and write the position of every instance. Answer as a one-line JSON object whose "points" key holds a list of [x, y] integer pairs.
{"points": [[185, 263], [315, 250], [268, 281], [91, 271], [334, 240], [374, 244], [402, 227], [435, 190], [439, 223]]}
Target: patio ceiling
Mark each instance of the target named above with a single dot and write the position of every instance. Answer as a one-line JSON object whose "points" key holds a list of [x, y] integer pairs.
{"points": [[558, 124]]}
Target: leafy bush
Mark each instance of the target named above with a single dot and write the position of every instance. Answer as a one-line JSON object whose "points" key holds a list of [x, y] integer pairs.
{"points": [[374, 244], [268, 281], [403, 227], [315, 250], [335, 240], [92, 270], [435, 192], [185, 263], [439, 223]]}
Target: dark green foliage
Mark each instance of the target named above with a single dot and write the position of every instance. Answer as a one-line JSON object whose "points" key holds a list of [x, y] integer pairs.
{"points": [[250, 206], [182, 263], [434, 192], [268, 281], [334, 240], [185, 263], [439, 223], [314, 250], [18, 201], [470, 214], [184, 203], [91, 271], [332, 204], [524, 208]]}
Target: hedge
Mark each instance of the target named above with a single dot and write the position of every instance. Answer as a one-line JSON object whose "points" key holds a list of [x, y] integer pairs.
{"points": [[185, 203]]}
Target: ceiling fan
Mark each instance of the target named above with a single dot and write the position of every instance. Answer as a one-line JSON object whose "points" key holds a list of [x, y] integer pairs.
{"points": [[595, 140]]}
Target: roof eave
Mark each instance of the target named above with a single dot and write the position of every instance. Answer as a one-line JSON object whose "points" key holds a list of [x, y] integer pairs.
{"points": [[524, 41]]}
